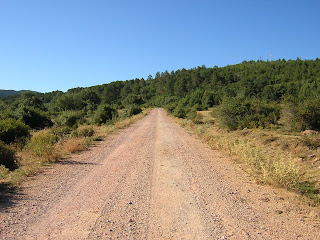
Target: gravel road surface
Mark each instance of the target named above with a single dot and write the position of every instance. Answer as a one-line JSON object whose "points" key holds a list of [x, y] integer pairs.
{"points": [[152, 181]]}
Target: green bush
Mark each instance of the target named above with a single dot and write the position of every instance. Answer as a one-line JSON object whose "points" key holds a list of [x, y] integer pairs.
{"points": [[12, 130], [133, 99], [7, 157], [70, 118], [42, 144], [301, 115], [309, 114], [239, 113], [33, 117], [180, 111], [132, 110], [104, 114], [191, 114], [86, 131], [194, 116], [170, 107], [60, 131]]}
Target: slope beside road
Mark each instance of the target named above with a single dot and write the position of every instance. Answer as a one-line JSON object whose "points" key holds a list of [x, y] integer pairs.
{"points": [[152, 181]]}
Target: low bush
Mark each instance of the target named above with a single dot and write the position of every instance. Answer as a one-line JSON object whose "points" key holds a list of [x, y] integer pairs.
{"points": [[170, 107], [132, 110], [240, 113], [7, 157], [312, 142], [104, 113], [12, 130], [301, 115], [3, 171], [33, 117], [85, 131], [42, 144], [309, 114], [61, 131], [193, 115], [180, 111], [70, 118], [133, 99]]}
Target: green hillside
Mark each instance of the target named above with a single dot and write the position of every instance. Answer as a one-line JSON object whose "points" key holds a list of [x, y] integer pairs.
{"points": [[247, 95]]}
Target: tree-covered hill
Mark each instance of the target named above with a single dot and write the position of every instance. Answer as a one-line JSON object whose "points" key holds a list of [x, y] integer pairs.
{"points": [[246, 95], [6, 93]]}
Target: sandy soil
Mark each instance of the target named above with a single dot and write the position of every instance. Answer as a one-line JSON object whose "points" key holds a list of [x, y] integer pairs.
{"points": [[152, 181]]}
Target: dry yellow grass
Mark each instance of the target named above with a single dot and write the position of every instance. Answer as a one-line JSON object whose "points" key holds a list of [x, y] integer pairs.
{"points": [[72, 145], [272, 156]]}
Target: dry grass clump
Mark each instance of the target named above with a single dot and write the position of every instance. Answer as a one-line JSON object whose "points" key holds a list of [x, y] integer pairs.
{"points": [[3, 171], [124, 123], [72, 145], [312, 141]]}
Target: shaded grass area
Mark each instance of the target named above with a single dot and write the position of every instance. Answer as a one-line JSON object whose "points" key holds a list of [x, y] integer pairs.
{"points": [[275, 157]]}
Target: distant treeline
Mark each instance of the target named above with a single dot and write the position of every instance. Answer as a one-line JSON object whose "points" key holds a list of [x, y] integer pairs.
{"points": [[283, 94], [6, 93]]}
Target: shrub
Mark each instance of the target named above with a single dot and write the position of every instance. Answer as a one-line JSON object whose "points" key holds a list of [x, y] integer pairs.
{"points": [[133, 99], [163, 100], [180, 111], [240, 113], [42, 144], [70, 118], [195, 98], [191, 114], [3, 171], [309, 114], [104, 113], [85, 131], [7, 157], [312, 142], [301, 115], [33, 117], [288, 116], [132, 110], [60, 131], [170, 107], [195, 117], [12, 130]]}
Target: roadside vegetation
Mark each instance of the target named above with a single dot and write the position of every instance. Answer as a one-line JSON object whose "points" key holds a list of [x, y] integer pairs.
{"points": [[26, 156], [273, 156], [267, 114]]}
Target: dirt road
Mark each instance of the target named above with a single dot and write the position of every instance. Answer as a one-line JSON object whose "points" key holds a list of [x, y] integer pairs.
{"points": [[152, 181]]}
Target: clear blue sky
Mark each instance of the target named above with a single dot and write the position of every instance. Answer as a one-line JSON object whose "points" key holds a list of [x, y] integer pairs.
{"points": [[48, 45]]}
